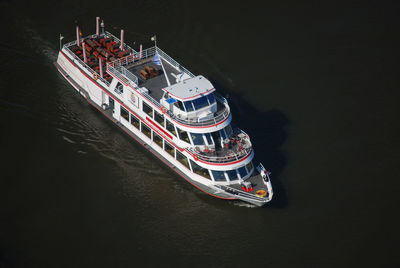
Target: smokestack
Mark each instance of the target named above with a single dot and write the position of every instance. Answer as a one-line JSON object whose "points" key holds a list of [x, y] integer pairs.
{"points": [[77, 36], [84, 52], [140, 51], [97, 26], [101, 68], [122, 40]]}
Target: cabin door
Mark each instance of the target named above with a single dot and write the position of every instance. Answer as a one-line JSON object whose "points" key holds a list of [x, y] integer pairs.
{"points": [[111, 103], [217, 140]]}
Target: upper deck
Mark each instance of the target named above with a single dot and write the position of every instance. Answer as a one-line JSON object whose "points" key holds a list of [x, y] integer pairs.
{"points": [[130, 69], [127, 65]]}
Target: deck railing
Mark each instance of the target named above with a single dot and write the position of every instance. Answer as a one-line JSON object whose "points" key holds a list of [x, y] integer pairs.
{"points": [[68, 45], [243, 193], [220, 115], [117, 68], [234, 156], [230, 156]]}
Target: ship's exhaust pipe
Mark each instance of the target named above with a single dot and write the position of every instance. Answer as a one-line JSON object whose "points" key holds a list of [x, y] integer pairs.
{"points": [[84, 52], [122, 40], [97, 26], [77, 35], [101, 68]]}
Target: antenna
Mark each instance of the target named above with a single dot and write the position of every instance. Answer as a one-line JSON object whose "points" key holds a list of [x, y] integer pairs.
{"points": [[102, 26]]}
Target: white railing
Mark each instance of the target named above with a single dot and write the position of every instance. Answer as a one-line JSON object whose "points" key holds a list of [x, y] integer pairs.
{"points": [[173, 62], [117, 68], [66, 47], [229, 157], [243, 193], [236, 153]]}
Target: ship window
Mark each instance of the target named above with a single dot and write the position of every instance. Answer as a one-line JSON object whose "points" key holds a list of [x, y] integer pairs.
{"points": [[147, 109], [218, 175], [200, 170], [146, 130], [179, 105], [189, 106], [119, 88], [208, 137], [222, 133], [182, 159], [229, 131], [200, 103], [242, 172], [125, 113], [183, 135], [169, 149], [249, 167], [159, 118], [135, 121], [170, 127], [157, 139], [197, 139], [232, 175], [211, 98]]}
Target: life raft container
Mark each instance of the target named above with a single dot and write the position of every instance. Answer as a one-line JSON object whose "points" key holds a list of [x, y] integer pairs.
{"points": [[261, 193]]}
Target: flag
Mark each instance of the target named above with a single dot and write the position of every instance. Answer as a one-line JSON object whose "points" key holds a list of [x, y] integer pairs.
{"points": [[80, 32], [61, 37], [156, 59]]}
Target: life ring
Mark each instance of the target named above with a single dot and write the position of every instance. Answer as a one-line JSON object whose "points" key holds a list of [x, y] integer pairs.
{"points": [[196, 157], [95, 76], [163, 109], [261, 193]]}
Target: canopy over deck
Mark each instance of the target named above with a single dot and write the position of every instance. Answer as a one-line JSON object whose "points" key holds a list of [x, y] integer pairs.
{"points": [[190, 89]]}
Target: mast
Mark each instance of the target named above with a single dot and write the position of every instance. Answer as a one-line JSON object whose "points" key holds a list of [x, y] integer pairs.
{"points": [[157, 60]]}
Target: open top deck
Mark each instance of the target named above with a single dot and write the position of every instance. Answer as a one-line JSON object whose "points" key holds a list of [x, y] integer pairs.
{"points": [[155, 82]]}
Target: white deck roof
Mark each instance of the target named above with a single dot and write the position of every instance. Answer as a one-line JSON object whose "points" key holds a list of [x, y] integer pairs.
{"points": [[190, 89]]}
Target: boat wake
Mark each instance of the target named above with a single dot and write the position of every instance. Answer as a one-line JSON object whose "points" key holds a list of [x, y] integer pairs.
{"points": [[34, 40]]}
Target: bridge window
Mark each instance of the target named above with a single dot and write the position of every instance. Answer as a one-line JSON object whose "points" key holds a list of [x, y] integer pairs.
{"points": [[228, 130], [218, 175], [232, 175], [182, 159], [146, 130], [159, 118], [197, 139], [242, 172], [188, 106], [124, 113], [200, 170], [249, 167], [211, 98], [147, 109], [179, 105], [119, 88], [183, 135], [169, 149], [157, 139], [200, 103], [135, 121], [170, 127], [222, 133], [208, 137]]}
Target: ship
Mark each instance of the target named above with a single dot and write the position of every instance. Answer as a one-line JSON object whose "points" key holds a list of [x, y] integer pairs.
{"points": [[176, 115]]}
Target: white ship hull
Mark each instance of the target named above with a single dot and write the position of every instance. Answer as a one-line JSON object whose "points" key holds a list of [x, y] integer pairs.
{"points": [[110, 103]]}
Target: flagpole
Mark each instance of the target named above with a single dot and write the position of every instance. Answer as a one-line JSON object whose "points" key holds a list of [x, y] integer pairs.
{"points": [[61, 38], [154, 38]]}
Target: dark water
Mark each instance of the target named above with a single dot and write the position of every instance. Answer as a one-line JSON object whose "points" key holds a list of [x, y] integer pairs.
{"points": [[315, 85]]}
